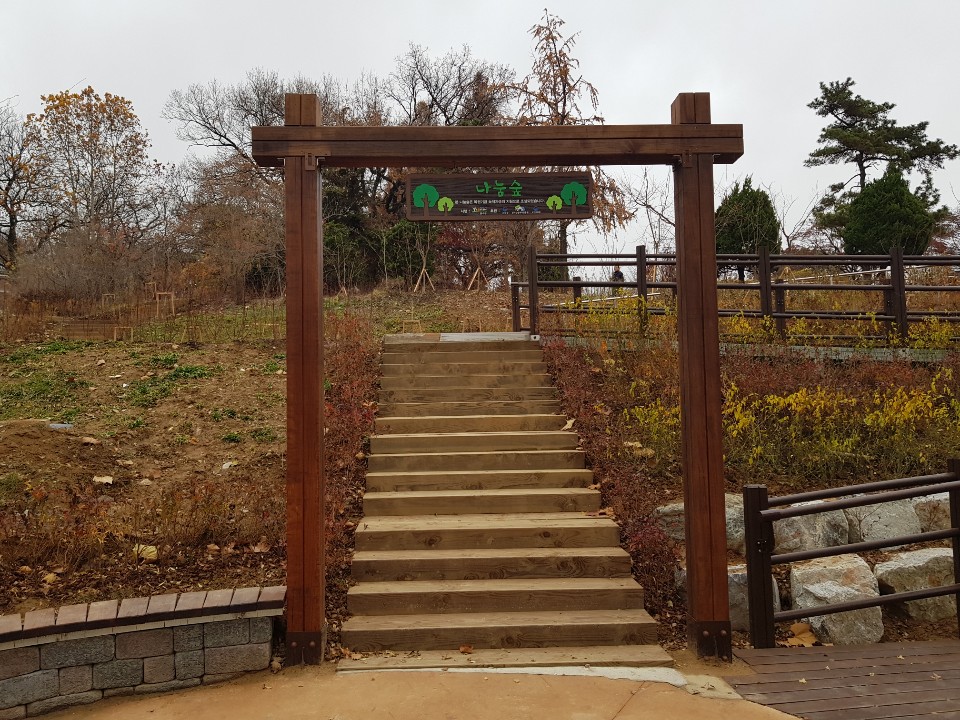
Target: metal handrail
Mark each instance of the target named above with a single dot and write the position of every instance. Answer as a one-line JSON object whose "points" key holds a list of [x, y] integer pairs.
{"points": [[760, 512]]}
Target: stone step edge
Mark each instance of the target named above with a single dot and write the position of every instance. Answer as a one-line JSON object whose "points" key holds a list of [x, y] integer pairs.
{"points": [[585, 656], [142, 613]]}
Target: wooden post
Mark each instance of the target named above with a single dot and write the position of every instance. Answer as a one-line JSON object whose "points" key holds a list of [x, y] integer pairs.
{"points": [[780, 306], [898, 286], [758, 536], [708, 611], [305, 480], [953, 466], [534, 291], [642, 274], [577, 291], [764, 273], [515, 305]]}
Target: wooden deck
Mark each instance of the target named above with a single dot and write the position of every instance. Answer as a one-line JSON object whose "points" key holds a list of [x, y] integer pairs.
{"points": [[888, 680]]}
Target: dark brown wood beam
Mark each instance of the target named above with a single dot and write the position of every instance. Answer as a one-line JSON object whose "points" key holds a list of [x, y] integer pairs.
{"points": [[497, 146], [708, 608]]}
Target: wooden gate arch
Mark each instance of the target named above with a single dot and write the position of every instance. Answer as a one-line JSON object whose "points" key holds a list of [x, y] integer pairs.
{"points": [[691, 144]]}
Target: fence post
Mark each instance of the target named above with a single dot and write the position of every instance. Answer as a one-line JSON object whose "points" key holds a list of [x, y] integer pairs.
{"points": [[780, 305], [533, 292], [515, 305], [953, 466], [898, 286], [758, 535], [577, 291], [642, 287], [763, 273], [642, 272]]}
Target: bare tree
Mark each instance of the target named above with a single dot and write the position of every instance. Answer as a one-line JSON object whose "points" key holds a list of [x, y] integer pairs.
{"points": [[456, 89]]}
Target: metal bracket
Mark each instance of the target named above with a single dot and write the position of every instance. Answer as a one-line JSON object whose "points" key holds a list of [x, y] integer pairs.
{"points": [[306, 648], [711, 638], [310, 162]]}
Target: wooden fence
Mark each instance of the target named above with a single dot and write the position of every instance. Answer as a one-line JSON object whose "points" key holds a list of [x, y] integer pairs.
{"points": [[761, 511], [888, 275]]}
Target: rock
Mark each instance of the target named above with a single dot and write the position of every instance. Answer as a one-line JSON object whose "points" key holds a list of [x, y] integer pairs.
{"points": [[807, 532], [918, 570], [671, 520], [933, 511], [828, 581], [737, 589], [739, 602], [882, 521]]}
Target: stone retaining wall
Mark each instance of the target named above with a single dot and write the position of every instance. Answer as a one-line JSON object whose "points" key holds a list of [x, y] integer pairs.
{"points": [[54, 658]]}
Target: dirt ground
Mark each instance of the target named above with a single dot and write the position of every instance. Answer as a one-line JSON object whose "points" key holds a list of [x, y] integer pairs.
{"points": [[131, 433]]}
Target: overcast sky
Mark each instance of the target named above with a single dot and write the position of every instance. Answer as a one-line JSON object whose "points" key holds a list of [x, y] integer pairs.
{"points": [[761, 60]]}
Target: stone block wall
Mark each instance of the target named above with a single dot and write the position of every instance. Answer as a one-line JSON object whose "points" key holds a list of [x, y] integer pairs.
{"points": [[51, 659]]}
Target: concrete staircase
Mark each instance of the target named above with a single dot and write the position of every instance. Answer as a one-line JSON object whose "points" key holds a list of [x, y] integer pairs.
{"points": [[481, 528]]}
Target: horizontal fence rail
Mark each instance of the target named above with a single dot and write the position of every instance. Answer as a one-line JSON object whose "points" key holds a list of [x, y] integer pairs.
{"points": [[761, 511], [888, 276]]}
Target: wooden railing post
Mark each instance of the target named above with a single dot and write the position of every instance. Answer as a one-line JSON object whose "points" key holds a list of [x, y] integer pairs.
{"points": [[780, 306], [577, 291], [953, 466], [515, 305], [708, 604], [764, 275], [642, 273], [898, 287], [305, 484], [758, 535], [642, 310], [533, 291]]}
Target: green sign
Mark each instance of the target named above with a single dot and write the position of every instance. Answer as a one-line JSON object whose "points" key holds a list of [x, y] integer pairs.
{"points": [[499, 196]]}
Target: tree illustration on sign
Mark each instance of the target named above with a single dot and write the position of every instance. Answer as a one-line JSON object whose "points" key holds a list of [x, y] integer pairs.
{"points": [[445, 204], [425, 196], [555, 203], [573, 194]]}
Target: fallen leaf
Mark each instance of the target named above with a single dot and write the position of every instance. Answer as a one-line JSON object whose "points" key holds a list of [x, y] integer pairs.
{"points": [[900, 657], [145, 553], [89, 441], [229, 464], [125, 463], [103, 479], [101, 361], [569, 424], [50, 578], [466, 649], [802, 681], [360, 456], [936, 677]]}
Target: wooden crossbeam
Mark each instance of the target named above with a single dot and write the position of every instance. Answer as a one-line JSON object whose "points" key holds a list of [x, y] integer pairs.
{"points": [[497, 146]]}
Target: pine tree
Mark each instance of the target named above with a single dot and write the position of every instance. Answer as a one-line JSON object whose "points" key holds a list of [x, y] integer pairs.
{"points": [[886, 215], [746, 221]]}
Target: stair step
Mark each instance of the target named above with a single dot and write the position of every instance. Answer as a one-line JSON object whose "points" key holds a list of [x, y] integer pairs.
{"points": [[500, 460], [473, 441], [390, 410], [469, 423], [420, 532], [502, 366], [416, 597], [389, 357], [587, 656], [453, 502], [498, 630], [418, 480], [468, 394], [426, 343], [480, 564], [489, 381]]}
